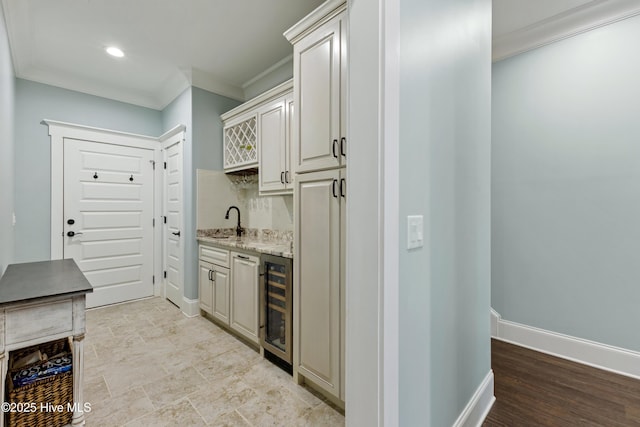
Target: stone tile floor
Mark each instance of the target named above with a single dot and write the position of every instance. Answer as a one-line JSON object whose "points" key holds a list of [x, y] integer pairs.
{"points": [[146, 364]]}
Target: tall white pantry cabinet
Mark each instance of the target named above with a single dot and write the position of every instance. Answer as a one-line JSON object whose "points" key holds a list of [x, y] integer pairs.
{"points": [[319, 161]]}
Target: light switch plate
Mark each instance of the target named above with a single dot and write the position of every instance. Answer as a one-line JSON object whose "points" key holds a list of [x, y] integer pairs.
{"points": [[415, 233]]}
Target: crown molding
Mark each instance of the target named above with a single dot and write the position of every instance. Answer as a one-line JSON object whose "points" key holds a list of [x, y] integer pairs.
{"points": [[273, 93], [65, 80], [203, 80], [564, 25], [287, 59], [319, 16]]}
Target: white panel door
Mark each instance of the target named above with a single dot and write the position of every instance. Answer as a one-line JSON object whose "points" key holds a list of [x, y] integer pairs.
{"points": [[174, 245], [108, 214]]}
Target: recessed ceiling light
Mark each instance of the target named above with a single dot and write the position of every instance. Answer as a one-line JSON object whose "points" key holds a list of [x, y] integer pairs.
{"points": [[114, 51]]}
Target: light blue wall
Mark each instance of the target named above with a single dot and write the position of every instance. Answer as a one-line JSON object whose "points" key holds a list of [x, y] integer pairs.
{"points": [[35, 102], [207, 128], [7, 95], [566, 186], [445, 148]]}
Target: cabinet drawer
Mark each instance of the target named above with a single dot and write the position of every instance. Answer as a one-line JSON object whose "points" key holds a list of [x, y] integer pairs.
{"points": [[35, 321], [214, 255]]}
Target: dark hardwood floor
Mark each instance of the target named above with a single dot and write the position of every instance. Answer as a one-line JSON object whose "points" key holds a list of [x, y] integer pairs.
{"points": [[535, 389]]}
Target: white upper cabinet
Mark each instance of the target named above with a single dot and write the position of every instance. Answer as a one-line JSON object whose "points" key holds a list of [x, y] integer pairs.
{"points": [[274, 134], [248, 126], [319, 69]]}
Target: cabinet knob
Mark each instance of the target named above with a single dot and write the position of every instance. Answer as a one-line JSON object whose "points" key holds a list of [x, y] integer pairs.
{"points": [[333, 188], [343, 142], [281, 177], [333, 148]]}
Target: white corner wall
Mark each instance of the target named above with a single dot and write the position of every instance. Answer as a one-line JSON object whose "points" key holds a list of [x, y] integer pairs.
{"points": [[445, 159]]}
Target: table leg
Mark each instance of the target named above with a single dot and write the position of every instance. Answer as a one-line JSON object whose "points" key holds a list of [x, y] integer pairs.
{"points": [[78, 370], [3, 376]]}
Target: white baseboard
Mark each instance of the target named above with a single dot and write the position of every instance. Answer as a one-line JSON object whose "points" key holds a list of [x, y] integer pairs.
{"points": [[602, 356], [479, 406], [495, 320], [190, 307]]}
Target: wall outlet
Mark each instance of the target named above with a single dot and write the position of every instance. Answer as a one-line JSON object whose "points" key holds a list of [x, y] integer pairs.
{"points": [[415, 234]]}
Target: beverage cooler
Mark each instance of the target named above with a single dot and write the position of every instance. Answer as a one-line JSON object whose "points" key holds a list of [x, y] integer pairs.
{"points": [[275, 302]]}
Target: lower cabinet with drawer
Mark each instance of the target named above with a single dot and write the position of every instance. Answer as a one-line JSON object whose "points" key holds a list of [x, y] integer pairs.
{"points": [[228, 285], [245, 295]]}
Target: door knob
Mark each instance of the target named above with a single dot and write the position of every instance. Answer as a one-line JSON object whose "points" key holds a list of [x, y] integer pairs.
{"points": [[72, 233]]}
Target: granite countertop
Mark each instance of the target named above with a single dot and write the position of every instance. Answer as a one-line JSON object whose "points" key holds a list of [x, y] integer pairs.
{"points": [[270, 242], [27, 281]]}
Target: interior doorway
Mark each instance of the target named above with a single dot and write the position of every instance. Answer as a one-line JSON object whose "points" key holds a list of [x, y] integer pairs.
{"points": [[118, 235]]}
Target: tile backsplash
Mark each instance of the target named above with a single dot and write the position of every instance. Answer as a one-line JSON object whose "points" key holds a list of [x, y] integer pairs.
{"points": [[216, 192]]}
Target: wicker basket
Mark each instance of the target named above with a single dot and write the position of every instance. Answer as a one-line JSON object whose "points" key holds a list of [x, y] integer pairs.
{"points": [[54, 390]]}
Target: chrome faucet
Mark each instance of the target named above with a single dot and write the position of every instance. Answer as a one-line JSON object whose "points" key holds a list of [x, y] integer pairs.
{"points": [[239, 229]]}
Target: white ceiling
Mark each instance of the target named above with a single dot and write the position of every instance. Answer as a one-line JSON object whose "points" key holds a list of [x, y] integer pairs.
{"points": [[168, 44], [220, 45]]}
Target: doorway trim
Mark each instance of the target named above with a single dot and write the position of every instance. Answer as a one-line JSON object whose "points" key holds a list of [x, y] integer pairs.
{"points": [[58, 131], [169, 139]]}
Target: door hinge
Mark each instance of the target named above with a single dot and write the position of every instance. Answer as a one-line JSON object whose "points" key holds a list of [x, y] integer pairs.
{"points": [[165, 165], [153, 280], [165, 274]]}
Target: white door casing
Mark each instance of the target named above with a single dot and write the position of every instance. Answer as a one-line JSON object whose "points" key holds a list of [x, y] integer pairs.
{"points": [[58, 131], [173, 275], [108, 215]]}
